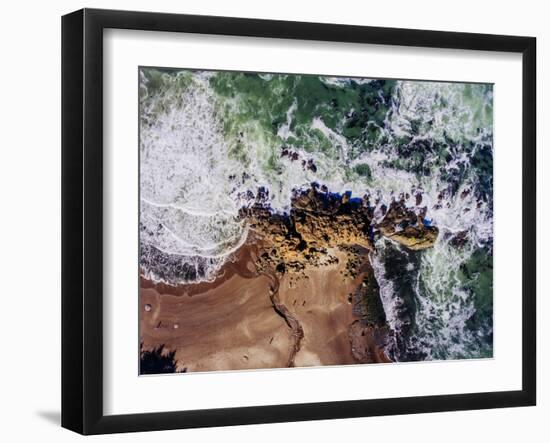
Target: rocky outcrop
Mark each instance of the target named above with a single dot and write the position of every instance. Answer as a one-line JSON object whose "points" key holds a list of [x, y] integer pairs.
{"points": [[321, 229], [319, 221], [408, 227]]}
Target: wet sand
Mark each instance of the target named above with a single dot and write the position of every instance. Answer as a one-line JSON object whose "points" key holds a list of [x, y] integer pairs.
{"points": [[231, 326], [320, 304], [248, 321]]}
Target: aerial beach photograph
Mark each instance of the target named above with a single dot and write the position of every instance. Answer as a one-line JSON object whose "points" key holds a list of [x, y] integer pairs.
{"points": [[293, 220]]}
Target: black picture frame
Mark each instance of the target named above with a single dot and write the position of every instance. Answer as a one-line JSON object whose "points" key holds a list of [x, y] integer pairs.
{"points": [[82, 215]]}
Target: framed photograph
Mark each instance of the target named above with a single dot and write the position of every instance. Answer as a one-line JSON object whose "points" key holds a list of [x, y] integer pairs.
{"points": [[268, 221]]}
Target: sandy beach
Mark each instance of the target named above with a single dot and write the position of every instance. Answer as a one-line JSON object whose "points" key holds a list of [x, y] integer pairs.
{"points": [[233, 323]]}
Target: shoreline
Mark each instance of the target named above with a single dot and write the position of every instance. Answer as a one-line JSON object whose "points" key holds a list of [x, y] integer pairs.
{"points": [[300, 291]]}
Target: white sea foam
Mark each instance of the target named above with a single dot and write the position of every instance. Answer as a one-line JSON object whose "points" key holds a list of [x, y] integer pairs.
{"points": [[338, 140], [186, 204], [391, 303], [344, 81], [443, 305], [284, 130]]}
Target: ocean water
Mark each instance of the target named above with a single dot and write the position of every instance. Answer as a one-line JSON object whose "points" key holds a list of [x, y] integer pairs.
{"points": [[209, 140]]}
